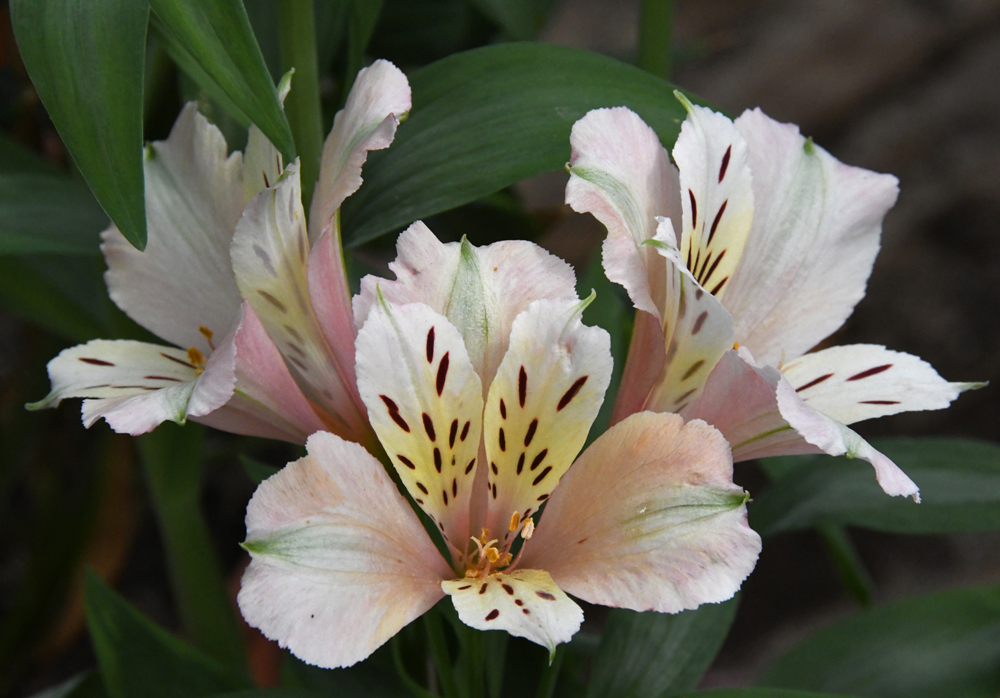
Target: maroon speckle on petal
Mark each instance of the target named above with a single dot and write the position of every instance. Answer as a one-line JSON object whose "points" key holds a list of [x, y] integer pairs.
{"points": [[493, 614], [699, 322], [694, 214], [545, 595], [442, 373], [725, 163], [870, 372], [429, 427], [815, 381], [522, 386], [531, 432], [101, 362], [715, 223], [571, 393], [430, 345], [879, 402]]}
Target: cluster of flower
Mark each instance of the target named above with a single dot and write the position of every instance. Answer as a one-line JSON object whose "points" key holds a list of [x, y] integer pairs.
{"points": [[473, 374]]}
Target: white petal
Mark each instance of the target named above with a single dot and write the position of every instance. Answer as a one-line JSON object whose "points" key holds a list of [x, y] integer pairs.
{"points": [[339, 561], [697, 331], [649, 519], [270, 254], [183, 279], [862, 381], [814, 239], [526, 603], [835, 439], [621, 174], [425, 403], [379, 98], [546, 395], [479, 289], [136, 386]]}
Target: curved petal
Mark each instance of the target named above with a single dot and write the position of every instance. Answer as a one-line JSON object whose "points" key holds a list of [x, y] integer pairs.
{"points": [[266, 402], [378, 100], [546, 395], [425, 403], [716, 195], [643, 365], [339, 561], [697, 331], [525, 603], [863, 381], [183, 280], [814, 239], [270, 253], [649, 519], [136, 386], [479, 289], [621, 175], [833, 438]]}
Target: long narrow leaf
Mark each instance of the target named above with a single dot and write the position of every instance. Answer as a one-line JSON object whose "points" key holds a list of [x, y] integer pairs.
{"points": [[486, 118], [44, 213], [217, 35], [86, 61]]}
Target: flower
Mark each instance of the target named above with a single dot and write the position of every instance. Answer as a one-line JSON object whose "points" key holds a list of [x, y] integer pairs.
{"points": [[778, 240], [242, 371], [647, 518]]}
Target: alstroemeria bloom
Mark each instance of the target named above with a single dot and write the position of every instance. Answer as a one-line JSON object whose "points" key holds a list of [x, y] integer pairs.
{"points": [[647, 518], [778, 240], [185, 288]]}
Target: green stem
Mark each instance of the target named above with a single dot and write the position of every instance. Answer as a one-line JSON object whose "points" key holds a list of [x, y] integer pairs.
{"points": [[297, 29], [439, 651], [655, 25], [550, 675], [172, 463], [852, 570], [411, 685]]}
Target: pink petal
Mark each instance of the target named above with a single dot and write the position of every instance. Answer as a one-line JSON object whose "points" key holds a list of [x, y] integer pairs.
{"points": [[339, 561], [649, 519], [814, 239], [183, 279], [646, 354], [378, 100]]}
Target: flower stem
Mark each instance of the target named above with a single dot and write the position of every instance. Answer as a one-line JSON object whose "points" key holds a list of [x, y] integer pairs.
{"points": [[297, 29], [655, 24], [439, 651], [172, 464], [550, 675], [411, 685]]}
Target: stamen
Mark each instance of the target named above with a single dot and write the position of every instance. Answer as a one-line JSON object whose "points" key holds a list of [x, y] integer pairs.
{"points": [[736, 346], [197, 359], [207, 333], [492, 554], [515, 519], [528, 530]]}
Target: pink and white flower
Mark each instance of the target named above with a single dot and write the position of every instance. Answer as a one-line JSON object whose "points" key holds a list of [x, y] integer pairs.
{"points": [[277, 362], [647, 518], [777, 241]]}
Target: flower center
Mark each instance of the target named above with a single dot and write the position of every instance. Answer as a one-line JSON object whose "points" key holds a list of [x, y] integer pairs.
{"points": [[486, 558]]}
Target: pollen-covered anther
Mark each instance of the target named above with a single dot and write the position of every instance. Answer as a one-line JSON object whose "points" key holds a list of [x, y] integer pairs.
{"points": [[529, 529], [197, 359], [515, 519], [736, 346], [493, 555], [207, 334]]}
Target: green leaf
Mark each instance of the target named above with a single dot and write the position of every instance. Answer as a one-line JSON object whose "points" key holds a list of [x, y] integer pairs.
{"points": [[658, 654], [944, 644], [14, 157], [486, 118], [521, 20], [218, 37], [271, 693], [757, 693], [86, 61], [42, 213], [257, 471], [139, 658], [959, 484], [85, 685]]}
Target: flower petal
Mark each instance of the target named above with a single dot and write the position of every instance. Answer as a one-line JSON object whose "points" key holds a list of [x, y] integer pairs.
{"points": [[339, 561], [425, 403], [649, 519], [183, 279], [643, 365], [621, 174], [814, 239], [863, 381], [716, 195], [525, 603], [378, 100], [266, 401], [697, 331], [546, 395], [270, 254], [135, 385], [835, 439], [479, 289]]}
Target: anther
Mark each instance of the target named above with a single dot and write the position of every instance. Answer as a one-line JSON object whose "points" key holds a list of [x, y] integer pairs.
{"points": [[207, 334], [492, 554], [515, 519], [736, 346], [529, 529]]}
